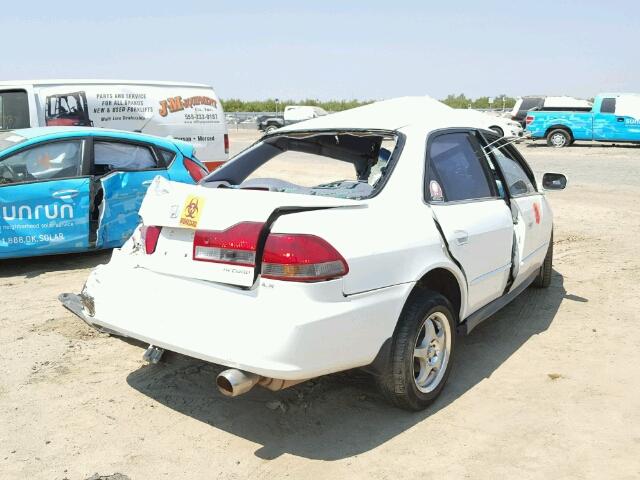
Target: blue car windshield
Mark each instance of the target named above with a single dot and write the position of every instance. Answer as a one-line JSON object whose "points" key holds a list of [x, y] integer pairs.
{"points": [[10, 139]]}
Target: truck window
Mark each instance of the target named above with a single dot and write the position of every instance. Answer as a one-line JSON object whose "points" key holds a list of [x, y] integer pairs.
{"points": [[14, 110], [608, 105]]}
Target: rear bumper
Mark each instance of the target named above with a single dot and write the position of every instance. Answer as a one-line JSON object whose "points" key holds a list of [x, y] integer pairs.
{"points": [[283, 330]]}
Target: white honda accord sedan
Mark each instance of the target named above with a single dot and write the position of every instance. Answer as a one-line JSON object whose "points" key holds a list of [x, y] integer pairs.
{"points": [[366, 238]]}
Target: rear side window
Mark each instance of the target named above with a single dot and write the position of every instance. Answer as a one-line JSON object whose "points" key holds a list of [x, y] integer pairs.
{"points": [[608, 105], [517, 180], [166, 156], [44, 162], [14, 110], [455, 170], [109, 156]]}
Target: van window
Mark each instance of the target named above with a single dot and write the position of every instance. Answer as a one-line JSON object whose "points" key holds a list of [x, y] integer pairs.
{"points": [[608, 105], [14, 110]]}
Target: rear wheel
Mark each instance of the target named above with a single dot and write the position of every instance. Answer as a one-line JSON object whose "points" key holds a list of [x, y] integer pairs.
{"points": [[421, 352], [543, 280], [559, 138], [270, 128]]}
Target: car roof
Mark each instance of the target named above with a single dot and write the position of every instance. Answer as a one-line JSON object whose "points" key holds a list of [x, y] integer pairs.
{"points": [[394, 114], [34, 135]]}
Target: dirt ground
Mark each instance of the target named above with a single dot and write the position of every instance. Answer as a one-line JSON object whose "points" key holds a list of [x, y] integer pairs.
{"points": [[547, 388]]}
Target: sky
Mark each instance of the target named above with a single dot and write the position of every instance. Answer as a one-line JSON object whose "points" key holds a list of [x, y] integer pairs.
{"points": [[333, 49]]}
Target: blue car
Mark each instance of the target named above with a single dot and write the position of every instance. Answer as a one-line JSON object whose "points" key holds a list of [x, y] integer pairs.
{"points": [[67, 189]]}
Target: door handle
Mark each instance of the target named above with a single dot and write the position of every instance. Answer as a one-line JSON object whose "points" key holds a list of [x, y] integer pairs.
{"points": [[462, 237], [65, 194], [620, 119]]}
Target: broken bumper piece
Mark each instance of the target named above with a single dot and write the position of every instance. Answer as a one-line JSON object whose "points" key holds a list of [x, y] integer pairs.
{"points": [[283, 330]]}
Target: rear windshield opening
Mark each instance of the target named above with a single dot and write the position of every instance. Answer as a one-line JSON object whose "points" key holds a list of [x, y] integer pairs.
{"points": [[350, 165]]}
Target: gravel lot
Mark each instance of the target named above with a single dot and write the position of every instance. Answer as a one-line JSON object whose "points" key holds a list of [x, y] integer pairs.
{"points": [[547, 388]]}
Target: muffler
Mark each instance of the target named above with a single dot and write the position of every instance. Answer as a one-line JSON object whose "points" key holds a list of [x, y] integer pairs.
{"points": [[234, 382]]}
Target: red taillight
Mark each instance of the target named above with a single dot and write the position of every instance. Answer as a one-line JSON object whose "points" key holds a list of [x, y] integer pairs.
{"points": [[236, 245], [301, 258], [529, 119], [226, 143], [194, 169], [150, 235]]}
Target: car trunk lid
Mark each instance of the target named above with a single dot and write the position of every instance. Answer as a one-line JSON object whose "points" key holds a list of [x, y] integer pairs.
{"points": [[233, 218]]}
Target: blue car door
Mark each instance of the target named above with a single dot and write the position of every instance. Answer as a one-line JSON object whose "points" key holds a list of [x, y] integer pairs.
{"points": [[44, 203], [124, 170]]}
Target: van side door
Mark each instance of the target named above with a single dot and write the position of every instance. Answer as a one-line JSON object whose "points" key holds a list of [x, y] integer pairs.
{"points": [[124, 170], [44, 202], [475, 222]]}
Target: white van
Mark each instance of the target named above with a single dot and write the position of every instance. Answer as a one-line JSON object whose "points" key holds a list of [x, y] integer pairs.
{"points": [[186, 111]]}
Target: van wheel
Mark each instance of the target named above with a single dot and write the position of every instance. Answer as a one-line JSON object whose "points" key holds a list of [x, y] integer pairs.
{"points": [[543, 280], [421, 354], [558, 138], [498, 130]]}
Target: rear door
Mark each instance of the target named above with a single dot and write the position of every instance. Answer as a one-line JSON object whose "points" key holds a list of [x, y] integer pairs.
{"points": [[44, 203], [124, 170], [475, 221]]}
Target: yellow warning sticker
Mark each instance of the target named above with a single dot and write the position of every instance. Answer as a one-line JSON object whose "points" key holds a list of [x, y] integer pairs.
{"points": [[191, 211]]}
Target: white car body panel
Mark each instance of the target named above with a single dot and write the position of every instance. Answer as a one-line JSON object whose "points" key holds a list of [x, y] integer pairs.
{"points": [[280, 329], [479, 235]]}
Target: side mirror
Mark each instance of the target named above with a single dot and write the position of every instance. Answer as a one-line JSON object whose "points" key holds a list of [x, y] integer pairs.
{"points": [[554, 181]]}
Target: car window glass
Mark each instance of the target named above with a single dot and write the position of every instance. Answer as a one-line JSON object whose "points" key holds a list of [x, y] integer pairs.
{"points": [[517, 180], [608, 105], [44, 162], [167, 156], [455, 170], [109, 156]]}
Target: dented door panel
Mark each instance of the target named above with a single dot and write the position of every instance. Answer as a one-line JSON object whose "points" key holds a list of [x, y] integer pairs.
{"points": [[122, 194]]}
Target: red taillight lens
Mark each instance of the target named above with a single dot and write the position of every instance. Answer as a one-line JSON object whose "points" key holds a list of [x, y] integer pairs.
{"points": [[226, 143], [194, 169], [301, 258], [529, 119], [236, 245], [150, 235]]}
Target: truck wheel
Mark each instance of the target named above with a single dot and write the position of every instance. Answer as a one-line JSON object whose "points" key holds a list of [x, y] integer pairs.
{"points": [[270, 128], [498, 130], [558, 138], [421, 354], [543, 280]]}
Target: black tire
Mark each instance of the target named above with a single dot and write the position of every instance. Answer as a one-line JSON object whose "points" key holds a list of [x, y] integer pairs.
{"points": [[559, 138], [498, 130], [543, 280], [271, 128], [397, 380]]}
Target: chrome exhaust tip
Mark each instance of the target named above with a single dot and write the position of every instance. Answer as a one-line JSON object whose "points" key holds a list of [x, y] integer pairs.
{"points": [[233, 382]]}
